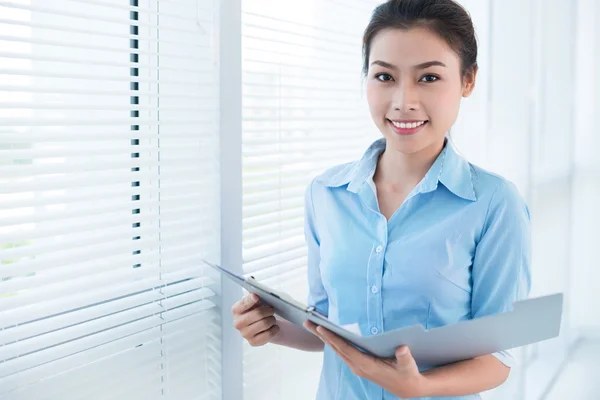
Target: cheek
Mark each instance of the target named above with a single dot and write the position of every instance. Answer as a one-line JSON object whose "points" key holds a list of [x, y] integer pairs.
{"points": [[376, 100], [442, 105]]}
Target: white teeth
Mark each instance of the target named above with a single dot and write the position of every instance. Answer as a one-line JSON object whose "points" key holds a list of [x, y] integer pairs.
{"points": [[403, 125]]}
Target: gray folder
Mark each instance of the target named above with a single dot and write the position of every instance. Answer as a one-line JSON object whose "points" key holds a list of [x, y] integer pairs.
{"points": [[531, 321]]}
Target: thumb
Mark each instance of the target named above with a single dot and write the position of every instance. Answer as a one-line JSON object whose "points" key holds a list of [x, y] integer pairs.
{"points": [[403, 355], [251, 299]]}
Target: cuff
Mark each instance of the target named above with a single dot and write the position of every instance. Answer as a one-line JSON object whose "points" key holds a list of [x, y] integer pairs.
{"points": [[506, 357]]}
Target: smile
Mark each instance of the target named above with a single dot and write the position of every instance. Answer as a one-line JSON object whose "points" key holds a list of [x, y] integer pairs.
{"points": [[407, 127]]}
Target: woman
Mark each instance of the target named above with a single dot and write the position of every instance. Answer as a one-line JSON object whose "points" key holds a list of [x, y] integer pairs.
{"points": [[411, 233]]}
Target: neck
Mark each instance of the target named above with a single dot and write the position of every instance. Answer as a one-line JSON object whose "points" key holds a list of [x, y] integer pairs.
{"points": [[405, 170]]}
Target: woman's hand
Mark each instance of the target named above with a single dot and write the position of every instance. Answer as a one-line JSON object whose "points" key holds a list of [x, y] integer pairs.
{"points": [[399, 376], [256, 323]]}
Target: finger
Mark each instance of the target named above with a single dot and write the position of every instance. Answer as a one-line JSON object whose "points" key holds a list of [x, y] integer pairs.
{"points": [[344, 345], [334, 339], [250, 317], [335, 342], [344, 358], [325, 335], [245, 304], [311, 326], [354, 367], [404, 358], [402, 352], [258, 327], [333, 346], [265, 337], [365, 362]]}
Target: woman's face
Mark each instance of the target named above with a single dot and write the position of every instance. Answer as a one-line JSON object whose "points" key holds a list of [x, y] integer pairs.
{"points": [[414, 88]]}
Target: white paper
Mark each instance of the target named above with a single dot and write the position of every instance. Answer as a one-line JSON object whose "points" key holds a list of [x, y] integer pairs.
{"points": [[354, 328]]}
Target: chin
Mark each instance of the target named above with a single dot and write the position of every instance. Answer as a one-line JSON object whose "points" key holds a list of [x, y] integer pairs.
{"points": [[405, 145], [413, 144]]}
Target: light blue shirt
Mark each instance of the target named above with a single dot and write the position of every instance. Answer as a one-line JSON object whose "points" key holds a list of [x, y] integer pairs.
{"points": [[457, 248]]}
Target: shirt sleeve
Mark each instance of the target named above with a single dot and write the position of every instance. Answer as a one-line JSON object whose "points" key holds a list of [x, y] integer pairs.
{"points": [[502, 262], [317, 296]]}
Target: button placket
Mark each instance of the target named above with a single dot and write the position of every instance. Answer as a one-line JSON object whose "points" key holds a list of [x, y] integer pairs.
{"points": [[375, 318], [375, 280]]}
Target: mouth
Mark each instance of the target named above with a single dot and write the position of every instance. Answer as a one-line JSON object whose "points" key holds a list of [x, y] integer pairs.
{"points": [[407, 127]]}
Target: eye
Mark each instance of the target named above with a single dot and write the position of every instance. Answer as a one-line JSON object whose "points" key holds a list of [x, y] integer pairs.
{"points": [[429, 78], [383, 77]]}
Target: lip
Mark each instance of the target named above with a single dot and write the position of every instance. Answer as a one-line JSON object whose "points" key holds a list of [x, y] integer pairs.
{"points": [[407, 131]]}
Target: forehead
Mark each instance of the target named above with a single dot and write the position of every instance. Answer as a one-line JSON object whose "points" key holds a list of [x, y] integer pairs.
{"points": [[410, 47]]}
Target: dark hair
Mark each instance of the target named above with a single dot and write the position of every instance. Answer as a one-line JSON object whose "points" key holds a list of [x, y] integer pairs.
{"points": [[446, 18]]}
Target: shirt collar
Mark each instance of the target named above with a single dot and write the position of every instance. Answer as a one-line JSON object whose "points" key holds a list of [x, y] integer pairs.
{"points": [[449, 168]]}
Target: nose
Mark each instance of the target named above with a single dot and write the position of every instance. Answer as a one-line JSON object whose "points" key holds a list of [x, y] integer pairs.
{"points": [[406, 98]]}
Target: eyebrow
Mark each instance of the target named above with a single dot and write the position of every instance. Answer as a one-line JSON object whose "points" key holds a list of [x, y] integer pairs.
{"points": [[418, 66]]}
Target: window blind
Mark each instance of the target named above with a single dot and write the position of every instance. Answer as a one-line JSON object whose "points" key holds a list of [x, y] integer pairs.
{"points": [[109, 200], [304, 110]]}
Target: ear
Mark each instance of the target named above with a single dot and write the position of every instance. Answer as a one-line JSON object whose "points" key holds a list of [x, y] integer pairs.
{"points": [[469, 82]]}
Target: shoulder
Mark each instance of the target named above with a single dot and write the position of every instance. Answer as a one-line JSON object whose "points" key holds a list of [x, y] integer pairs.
{"points": [[342, 174], [500, 196], [491, 186], [336, 176]]}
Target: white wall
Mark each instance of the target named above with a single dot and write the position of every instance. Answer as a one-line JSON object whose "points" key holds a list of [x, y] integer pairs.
{"points": [[586, 218], [533, 120]]}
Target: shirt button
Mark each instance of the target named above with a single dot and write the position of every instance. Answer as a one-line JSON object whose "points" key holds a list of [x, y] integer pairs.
{"points": [[374, 330], [374, 289], [378, 249]]}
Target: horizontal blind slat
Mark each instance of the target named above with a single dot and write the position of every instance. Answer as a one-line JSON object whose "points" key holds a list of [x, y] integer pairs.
{"points": [[98, 91], [78, 344], [28, 326], [123, 21], [289, 133], [104, 107], [102, 34], [108, 199], [130, 279], [77, 360], [24, 122], [81, 46], [65, 335]]}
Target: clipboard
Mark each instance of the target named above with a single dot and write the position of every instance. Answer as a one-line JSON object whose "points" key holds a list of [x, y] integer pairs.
{"points": [[531, 321]]}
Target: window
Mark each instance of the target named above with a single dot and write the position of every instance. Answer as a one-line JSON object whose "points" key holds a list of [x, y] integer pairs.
{"points": [[109, 199], [120, 127], [304, 109]]}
